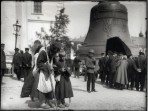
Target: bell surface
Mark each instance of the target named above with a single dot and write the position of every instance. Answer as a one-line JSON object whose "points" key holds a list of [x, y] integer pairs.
{"points": [[107, 20]]}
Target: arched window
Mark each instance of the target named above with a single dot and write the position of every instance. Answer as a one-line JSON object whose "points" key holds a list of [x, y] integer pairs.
{"points": [[37, 7]]}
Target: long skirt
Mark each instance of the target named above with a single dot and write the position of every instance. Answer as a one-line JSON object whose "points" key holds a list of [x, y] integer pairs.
{"points": [[28, 84], [63, 88], [37, 94]]}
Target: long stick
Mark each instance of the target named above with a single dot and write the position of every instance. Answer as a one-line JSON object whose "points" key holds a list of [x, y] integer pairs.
{"points": [[50, 76]]}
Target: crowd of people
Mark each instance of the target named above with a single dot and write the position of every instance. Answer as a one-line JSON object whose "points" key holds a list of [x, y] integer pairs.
{"points": [[123, 71], [116, 70], [47, 73]]}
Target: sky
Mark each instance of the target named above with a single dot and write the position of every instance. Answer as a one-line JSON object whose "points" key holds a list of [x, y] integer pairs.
{"points": [[79, 15]]}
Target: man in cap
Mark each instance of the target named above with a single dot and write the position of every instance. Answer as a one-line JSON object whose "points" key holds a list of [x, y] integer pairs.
{"points": [[113, 68], [26, 63], [90, 64], [140, 75], [131, 71], [107, 65], [3, 61], [17, 62]]}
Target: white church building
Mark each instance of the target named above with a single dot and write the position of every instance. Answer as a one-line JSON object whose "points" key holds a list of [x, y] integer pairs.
{"points": [[32, 16]]}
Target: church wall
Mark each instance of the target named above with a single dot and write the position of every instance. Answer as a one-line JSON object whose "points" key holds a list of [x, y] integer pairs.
{"points": [[8, 18]]}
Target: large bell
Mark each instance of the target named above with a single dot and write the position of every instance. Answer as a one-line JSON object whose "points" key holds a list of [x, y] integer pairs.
{"points": [[107, 20]]}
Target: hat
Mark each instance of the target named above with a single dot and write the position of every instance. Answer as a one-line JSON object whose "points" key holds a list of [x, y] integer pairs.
{"points": [[2, 44], [26, 49], [141, 53], [91, 51], [16, 49]]}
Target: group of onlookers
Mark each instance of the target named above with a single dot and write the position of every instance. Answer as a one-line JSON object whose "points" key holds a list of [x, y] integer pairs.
{"points": [[116, 70], [22, 63], [120, 71]]}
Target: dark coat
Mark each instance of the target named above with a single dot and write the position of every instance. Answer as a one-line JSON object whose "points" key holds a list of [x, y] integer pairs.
{"points": [[63, 87], [17, 61], [3, 60], [76, 62], [42, 63], [102, 64], [131, 68], [140, 62], [108, 64], [27, 60], [113, 64]]}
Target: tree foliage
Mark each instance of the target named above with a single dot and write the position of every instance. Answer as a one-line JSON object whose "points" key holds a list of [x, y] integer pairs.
{"points": [[60, 25], [59, 30]]}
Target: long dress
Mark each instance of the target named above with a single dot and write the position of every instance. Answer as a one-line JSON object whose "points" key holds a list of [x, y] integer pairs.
{"points": [[41, 60], [63, 87], [28, 84], [121, 73]]}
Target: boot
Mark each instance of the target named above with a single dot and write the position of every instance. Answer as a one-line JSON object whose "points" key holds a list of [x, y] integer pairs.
{"points": [[60, 105]]}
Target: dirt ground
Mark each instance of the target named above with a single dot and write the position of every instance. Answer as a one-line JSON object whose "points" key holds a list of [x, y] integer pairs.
{"points": [[104, 99]]}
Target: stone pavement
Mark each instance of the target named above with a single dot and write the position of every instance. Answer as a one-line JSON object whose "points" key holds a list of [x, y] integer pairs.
{"points": [[104, 99]]}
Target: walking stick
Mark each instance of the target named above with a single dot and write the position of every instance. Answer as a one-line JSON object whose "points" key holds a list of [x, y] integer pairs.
{"points": [[51, 73]]}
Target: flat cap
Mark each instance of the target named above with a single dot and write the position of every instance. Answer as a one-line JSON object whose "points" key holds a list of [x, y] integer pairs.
{"points": [[16, 49], [26, 48]]}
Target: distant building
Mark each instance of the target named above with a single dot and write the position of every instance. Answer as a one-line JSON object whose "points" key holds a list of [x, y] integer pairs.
{"points": [[140, 43]]}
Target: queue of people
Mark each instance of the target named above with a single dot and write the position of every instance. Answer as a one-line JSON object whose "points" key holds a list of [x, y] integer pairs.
{"points": [[123, 71], [116, 70]]}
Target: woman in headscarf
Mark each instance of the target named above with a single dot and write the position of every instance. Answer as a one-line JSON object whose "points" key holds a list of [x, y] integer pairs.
{"points": [[63, 87], [41, 74]]}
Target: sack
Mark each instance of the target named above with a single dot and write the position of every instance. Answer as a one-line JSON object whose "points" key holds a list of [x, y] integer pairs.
{"points": [[45, 85]]}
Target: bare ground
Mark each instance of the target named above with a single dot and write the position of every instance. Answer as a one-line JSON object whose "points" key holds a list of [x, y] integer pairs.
{"points": [[104, 99]]}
